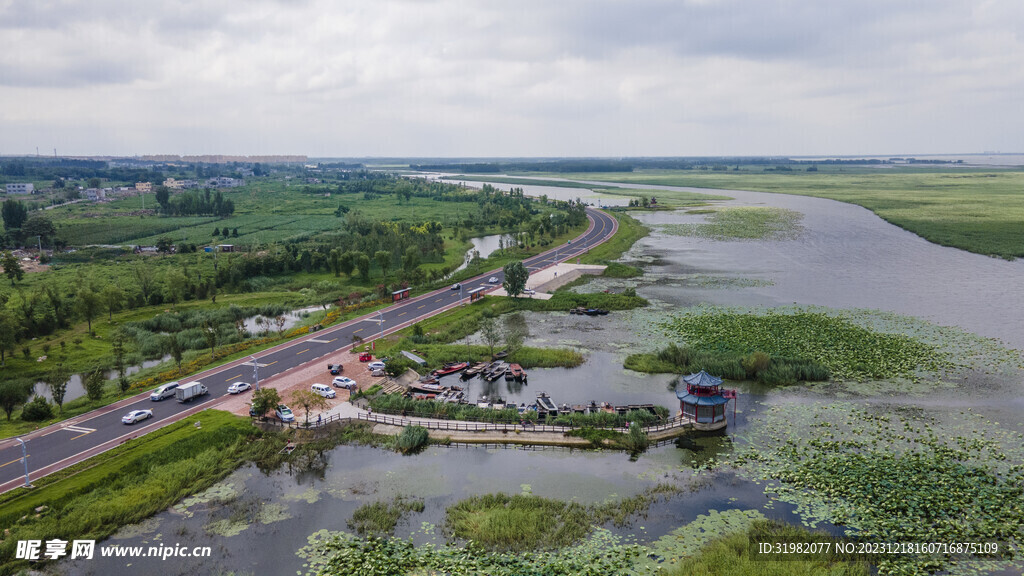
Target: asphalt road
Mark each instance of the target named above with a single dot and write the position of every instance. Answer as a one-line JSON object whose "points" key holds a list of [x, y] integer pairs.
{"points": [[60, 445]]}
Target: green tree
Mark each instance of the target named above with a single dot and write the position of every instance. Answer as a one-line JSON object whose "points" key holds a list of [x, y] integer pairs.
{"points": [[515, 332], [411, 259], [13, 393], [347, 262], [118, 351], [12, 268], [175, 284], [14, 214], [93, 382], [334, 260], [163, 197], [363, 263], [39, 224], [309, 400], [145, 279], [490, 332], [57, 380], [88, 303], [210, 334], [175, 349], [113, 299], [383, 258], [164, 245], [516, 276], [264, 400], [9, 329], [94, 182]]}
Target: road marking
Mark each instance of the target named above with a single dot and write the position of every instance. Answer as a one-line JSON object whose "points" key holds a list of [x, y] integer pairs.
{"points": [[402, 314], [82, 434], [271, 364], [235, 377], [360, 330], [420, 306], [301, 351], [438, 300], [78, 429], [15, 460], [331, 340], [320, 341]]}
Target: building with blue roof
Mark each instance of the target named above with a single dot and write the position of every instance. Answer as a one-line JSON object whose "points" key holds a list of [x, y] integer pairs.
{"points": [[703, 401]]}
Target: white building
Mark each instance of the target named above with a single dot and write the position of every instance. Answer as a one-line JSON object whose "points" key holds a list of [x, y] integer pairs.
{"points": [[21, 188], [96, 194], [224, 182], [144, 186]]}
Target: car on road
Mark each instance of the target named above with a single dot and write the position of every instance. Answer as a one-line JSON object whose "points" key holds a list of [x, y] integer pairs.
{"points": [[136, 416], [165, 391], [239, 387], [456, 286], [378, 365], [284, 413], [343, 382], [492, 280], [323, 390]]}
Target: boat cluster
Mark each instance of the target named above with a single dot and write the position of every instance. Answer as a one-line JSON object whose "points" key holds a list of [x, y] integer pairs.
{"points": [[588, 311]]}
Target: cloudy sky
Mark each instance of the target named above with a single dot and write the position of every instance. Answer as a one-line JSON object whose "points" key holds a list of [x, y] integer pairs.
{"points": [[523, 78]]}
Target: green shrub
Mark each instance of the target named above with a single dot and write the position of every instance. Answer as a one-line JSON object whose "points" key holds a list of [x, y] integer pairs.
{"points": [[412, 439], [37, 410]]}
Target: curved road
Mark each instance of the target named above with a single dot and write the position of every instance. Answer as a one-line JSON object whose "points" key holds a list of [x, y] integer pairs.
{"points": [[66, 443]]}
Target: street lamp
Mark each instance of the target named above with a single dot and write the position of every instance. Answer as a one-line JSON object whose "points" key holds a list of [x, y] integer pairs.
{"points": [[24, 460], [380, 315]]}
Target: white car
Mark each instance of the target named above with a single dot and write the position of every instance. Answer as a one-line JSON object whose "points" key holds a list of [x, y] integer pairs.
{"points": [[239, 387], [136, 416], [375, 365], [323, 390], [378, 372], [529, 291], [343, 382], [165, 391], [284, 413], [456, 286], [492, 280]]}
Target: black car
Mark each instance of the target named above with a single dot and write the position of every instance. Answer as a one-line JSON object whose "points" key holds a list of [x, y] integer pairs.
{"points": [[335, 369]]}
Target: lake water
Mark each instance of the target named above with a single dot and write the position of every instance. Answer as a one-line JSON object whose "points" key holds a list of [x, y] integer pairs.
{"points": [[485, 245]]}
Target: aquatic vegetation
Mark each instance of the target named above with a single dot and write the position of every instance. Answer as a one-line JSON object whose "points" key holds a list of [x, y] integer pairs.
{"points": [[896, 475], [380, 518], [735, 555], [724, 282], [502, 522], [412, 439], [742, 223], [759, 366], [848, 350]]}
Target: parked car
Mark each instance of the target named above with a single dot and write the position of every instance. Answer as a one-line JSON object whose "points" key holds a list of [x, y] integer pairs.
{"points": [[377, 365], [136, 416], [165, 391], [252, 411], [365, 357], [492, 280], [335, 369], [284, 413], [378, 372], [343, 382], [456, 286], [239, 387], [529, 291], [323, 390]]}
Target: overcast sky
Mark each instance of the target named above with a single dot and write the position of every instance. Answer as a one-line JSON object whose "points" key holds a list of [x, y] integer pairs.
{"points": [[522, 78]]}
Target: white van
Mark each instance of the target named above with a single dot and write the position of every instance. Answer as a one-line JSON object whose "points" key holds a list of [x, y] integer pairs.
{"points": [[165, 391], [323, 390]]}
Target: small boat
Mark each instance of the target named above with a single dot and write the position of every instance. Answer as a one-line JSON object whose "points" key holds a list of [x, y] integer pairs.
{"points": [[423, 396], [497, 370], [515, 372], [545, 404], [608, 408], [500, 355], [473, 370], [450, 368], [564, 409], [430, 387], [579, 409], [595, 312]]}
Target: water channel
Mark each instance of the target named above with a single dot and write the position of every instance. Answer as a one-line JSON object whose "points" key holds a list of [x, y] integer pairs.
{"points": [[843, 257]]}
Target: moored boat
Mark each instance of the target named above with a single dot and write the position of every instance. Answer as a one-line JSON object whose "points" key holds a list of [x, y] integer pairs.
{"points": [[450, 368]]}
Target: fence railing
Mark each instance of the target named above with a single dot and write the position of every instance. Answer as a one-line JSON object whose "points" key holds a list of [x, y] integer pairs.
{"points": [[457, 425]]}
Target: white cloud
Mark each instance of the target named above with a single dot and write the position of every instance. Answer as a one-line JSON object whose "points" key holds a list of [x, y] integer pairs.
{"points": [[531, 78]]}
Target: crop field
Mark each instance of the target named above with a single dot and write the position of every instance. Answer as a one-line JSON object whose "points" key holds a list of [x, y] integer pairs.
{"points": [[977, 211], [122, 229]]}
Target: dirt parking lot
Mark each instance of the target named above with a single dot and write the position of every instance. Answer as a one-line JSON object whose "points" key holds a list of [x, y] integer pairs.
{"points": [[303, 378]]}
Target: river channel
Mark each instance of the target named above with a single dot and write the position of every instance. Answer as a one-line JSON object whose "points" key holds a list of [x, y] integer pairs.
{"points": [[843, 257]]}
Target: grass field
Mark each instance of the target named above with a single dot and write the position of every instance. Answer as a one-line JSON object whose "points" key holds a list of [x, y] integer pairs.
{"points": [[974, 210]]}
